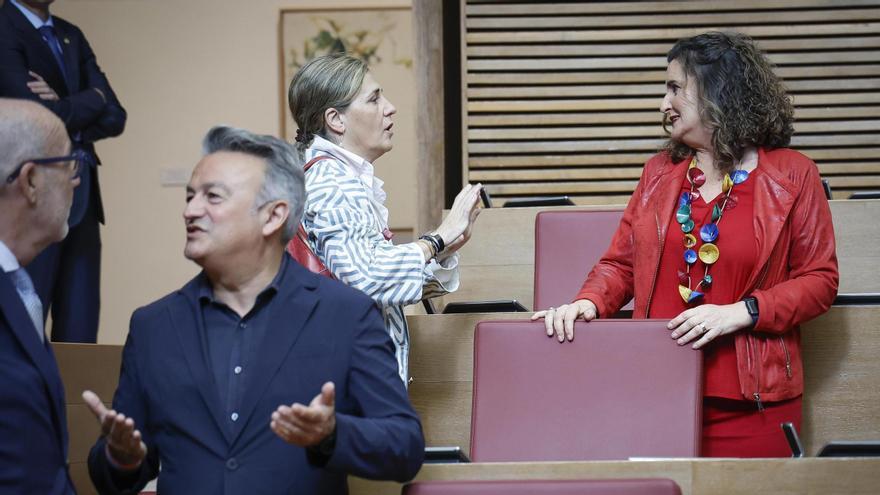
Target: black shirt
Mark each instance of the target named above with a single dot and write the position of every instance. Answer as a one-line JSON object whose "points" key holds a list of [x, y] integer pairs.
{"points": [[232, 342]]}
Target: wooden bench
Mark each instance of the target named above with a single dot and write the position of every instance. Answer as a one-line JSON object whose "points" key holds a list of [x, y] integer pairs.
{"points": [[499, 260], [694, 476], [842, 400]]}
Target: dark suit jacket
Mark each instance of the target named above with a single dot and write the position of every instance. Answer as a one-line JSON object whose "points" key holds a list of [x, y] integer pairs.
{"points": [[322, 331], [33, 431], [80, 107]]}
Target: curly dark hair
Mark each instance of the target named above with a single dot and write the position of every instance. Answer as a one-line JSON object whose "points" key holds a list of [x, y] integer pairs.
{"points": [[741, 98]]}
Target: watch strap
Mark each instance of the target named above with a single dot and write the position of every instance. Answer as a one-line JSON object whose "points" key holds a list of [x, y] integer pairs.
{"points": [[752, 308], [435, 241]]}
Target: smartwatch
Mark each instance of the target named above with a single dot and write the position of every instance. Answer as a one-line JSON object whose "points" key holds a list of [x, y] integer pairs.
{"points": [[752, 308]]}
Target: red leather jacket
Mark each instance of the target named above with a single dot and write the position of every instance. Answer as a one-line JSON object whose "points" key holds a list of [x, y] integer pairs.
{"points": [[795, 278]]}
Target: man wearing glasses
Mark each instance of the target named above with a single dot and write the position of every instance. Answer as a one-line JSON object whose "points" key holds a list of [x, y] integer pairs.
{"points": [[48, 60], [38, 175]]}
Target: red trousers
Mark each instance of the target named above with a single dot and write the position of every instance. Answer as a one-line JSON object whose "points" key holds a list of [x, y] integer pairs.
{"points": [[734, 428]]}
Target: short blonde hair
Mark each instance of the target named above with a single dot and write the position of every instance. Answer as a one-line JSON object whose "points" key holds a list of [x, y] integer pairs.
{"points": [[328, 81]]}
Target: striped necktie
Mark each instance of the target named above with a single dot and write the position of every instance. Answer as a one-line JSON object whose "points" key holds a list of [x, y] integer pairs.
{"points": [[29, 297]]}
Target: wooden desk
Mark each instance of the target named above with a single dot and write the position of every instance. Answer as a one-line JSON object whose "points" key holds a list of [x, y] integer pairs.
{"points": [[855, 476], [499, 260], [842, 382], [842, 400]]}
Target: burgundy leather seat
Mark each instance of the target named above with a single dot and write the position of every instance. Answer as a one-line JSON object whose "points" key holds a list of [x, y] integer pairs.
{"points": [[622, 388], [545, 487], [567, 245]]}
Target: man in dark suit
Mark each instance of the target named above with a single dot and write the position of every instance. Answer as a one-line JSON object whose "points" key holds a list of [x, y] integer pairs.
{"points": [[47, 59], [37, 177], [257, 376]]}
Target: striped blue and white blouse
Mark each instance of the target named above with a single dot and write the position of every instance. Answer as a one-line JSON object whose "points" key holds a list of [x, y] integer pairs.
{"points": [[344, 217]]}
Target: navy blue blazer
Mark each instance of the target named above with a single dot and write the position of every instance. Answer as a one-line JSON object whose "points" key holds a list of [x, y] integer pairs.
{"points": [[33, 424], [81, 108], [323, 331]]}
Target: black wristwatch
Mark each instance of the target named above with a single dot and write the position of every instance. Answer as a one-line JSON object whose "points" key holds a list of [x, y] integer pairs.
{"points": [[752, 308], [435, 241]]}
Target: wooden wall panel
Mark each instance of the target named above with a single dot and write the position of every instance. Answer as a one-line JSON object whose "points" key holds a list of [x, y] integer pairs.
{"points": [[427, 15], [563, 98]]}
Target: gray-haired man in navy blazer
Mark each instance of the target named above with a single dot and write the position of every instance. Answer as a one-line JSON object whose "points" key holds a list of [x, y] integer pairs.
{"points": [[38, 175], [257, 376]]}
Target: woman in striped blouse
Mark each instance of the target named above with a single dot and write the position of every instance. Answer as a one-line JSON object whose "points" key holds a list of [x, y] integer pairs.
{"points": [[343, 116]]}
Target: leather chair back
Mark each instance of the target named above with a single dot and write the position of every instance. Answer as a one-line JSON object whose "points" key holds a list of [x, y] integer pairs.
{"points": [[545, 487], [621, 389], [567, 245]]}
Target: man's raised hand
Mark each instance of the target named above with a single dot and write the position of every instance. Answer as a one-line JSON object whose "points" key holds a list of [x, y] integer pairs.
{"points": [[306, 426], [125, 447]]}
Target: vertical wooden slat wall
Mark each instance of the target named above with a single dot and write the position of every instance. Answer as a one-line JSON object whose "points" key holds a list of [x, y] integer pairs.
{"points": [[563, 98]]}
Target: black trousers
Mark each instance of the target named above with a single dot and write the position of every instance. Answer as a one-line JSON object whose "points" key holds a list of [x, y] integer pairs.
{"points": [[67, 277]]}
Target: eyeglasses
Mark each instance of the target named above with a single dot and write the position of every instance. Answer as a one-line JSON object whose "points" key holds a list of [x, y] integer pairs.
{"points": [[77, 158]]}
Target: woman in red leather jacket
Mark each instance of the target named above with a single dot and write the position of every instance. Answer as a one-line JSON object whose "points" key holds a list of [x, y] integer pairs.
{"points": [[729, 234]]}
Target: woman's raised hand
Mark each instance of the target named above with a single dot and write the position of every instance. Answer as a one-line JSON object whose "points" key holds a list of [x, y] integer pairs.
{"points": [[561, 320], [456, 227]]}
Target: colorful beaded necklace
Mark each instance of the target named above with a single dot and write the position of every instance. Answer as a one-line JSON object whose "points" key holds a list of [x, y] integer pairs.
{"points": [[708, 252]]}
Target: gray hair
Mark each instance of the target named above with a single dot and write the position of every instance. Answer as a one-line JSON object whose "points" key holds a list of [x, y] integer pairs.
{"points": [[27, 130], [284, 179], [329, 81]]}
